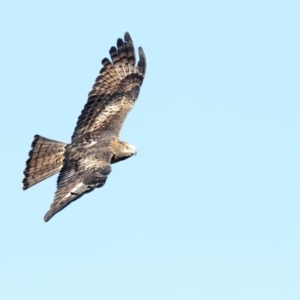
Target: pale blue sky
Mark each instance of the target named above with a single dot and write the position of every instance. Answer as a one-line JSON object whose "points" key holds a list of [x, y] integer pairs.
{"points": [[209, 208]]}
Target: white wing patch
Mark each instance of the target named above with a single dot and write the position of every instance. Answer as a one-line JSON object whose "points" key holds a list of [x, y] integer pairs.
{"points": [[75, 190]]}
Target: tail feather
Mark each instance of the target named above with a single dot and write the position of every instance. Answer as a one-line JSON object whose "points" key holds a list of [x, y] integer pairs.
{"points": [[45, 159]]}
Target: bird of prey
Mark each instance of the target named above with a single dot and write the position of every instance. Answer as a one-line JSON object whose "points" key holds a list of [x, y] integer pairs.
{"points": [[85, 163]]}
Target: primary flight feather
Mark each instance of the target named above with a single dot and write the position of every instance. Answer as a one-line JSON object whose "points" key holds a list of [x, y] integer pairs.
{"points": [[85, 163]]}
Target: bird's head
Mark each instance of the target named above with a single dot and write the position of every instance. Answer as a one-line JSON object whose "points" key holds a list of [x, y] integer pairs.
{"points": [[123, 151]]}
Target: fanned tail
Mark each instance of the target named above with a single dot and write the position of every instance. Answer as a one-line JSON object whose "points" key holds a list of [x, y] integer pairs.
{"points": [[45, 159]]}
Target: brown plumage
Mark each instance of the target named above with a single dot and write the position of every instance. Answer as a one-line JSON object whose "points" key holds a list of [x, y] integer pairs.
{"points": [[46, 158], [85, 163]]}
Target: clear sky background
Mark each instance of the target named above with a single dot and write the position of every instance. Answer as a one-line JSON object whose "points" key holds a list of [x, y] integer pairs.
{"points": [[209, 208]]}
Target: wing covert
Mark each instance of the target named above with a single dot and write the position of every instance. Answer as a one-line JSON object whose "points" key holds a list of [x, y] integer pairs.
{"points": [[82, 172], [115, 90]]}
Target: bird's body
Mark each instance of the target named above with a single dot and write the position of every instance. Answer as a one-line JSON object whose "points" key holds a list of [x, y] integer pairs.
{"points": [[85, 163]]}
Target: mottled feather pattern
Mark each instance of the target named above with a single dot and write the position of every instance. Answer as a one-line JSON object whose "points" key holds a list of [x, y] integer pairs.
{"points": [[116, 78], [85, 163], [83, 171], [45, 160]]}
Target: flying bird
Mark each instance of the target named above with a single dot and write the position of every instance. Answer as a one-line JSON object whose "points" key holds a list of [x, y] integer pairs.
{"points": [[85, 163]]}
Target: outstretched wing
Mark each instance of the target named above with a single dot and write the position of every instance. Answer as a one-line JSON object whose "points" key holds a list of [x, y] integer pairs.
{"points": [[115, 90], [84, 170]]}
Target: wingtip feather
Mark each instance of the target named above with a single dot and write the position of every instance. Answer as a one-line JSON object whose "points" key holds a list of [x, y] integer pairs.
{"points": [[47, 217], [127, 37], [142, 61]]}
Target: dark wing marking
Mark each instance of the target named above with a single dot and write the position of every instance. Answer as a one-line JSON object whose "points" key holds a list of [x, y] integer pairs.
{"points": [[82, 172], [115, 90]]}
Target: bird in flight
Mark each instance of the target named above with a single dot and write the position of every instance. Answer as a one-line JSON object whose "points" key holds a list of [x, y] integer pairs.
{"points": [[85, 163]]}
